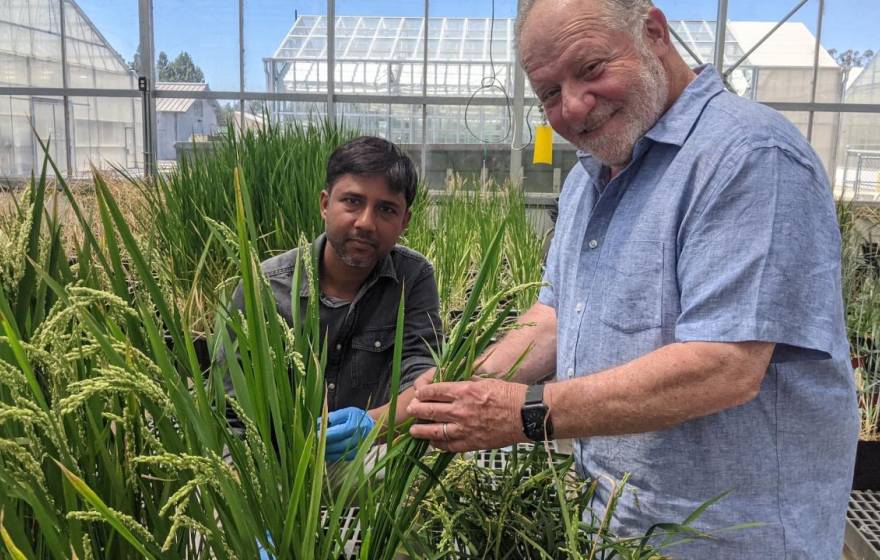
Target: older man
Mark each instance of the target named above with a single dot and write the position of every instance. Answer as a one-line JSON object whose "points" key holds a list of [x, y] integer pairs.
{"points": [[693, 309]]}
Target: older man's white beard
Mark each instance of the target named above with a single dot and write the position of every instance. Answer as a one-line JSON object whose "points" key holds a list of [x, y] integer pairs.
{"points": [[639, 113]]}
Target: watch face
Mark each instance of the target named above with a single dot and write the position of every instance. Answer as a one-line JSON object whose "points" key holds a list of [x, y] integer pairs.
{"points": [[533, 422]]}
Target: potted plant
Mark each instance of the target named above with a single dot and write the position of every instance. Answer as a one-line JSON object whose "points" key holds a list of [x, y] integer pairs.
{"points": [[861, 294]]}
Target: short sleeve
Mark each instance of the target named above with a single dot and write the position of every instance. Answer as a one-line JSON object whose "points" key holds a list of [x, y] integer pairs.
{"points": [[760, 259], [547, 294]]}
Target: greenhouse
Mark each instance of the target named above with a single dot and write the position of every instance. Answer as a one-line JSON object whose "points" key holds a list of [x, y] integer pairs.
{"points": [[509, 279], [39, 38]]}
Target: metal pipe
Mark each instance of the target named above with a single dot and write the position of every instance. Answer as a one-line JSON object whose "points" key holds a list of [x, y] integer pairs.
{"points": [[687, 47], [764, 38], [424, 150], [819, 107], [720, 35], [145, 17], [240, 64], [815, 84], [331, 59], [65, 77]]}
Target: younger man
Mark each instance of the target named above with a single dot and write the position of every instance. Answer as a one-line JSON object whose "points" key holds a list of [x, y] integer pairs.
{"points": [[371, 185]]}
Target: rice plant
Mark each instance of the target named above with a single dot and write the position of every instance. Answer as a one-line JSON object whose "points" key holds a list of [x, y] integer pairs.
{"points": [[285, 165], [114, 443], [860, 263], [454, 230], [112, 446], [528, 503]]}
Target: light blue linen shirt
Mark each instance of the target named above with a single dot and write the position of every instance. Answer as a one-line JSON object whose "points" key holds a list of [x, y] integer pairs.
{"points": [[722, 228]]}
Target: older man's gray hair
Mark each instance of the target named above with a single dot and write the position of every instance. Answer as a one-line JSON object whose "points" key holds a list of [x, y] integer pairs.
{"points": [[626, 15]]}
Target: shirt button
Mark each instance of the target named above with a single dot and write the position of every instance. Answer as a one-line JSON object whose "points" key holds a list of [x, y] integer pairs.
{"points": [[593, 243], [377, 344], [331, 386], [569, 372], [579, 307], [338, 347]]}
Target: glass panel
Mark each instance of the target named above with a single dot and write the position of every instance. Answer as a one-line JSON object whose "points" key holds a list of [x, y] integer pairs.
{"points": [[30, 43], [783, 63], [453, 149], [47, 118], [108, 132], [96, 33], [286, 50], [381, 47], [297, 111], [20, 116], [384, 55], [858, 156], [401, 124], [461, 48], [16, 143]]}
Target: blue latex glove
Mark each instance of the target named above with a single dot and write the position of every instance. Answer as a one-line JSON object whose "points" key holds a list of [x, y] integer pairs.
{"points": [[264, 554], [347, 429]]}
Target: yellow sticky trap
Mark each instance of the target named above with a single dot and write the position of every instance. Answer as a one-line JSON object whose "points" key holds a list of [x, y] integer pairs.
{"points": [[543, 145]]}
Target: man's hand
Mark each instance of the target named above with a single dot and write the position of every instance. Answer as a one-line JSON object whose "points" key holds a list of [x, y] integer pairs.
{"points": [[468, 415], [347, 428], [424, 379]]}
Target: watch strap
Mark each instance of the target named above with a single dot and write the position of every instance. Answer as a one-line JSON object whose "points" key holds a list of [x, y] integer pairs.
{"points": [[535, 415], [534, 394]]}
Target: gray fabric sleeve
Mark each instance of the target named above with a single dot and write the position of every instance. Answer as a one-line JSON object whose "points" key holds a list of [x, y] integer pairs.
{"points": [[422, 331]]}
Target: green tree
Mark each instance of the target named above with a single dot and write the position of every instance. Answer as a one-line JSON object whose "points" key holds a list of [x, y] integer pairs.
{"points": [[850, 58], [181, 69], [135, 62], [847, 60], [162, 64]]}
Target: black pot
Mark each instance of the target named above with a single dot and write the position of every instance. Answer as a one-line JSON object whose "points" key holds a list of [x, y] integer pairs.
{"points": [[867, 471]]}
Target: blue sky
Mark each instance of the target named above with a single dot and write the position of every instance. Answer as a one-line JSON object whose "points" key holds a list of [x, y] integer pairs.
{"points": [[208, 29]]}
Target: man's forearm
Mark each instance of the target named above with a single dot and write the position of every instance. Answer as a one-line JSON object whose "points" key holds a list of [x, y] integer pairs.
{"points": [[662, 389], [537, 335], [403, 399]]}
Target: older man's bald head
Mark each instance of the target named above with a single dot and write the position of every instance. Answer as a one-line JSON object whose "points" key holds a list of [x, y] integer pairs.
{"points": [[618, 14]]}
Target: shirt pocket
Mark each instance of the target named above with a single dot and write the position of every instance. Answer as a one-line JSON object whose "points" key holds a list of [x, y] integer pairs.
{"points": [[632, 298], [371, 353]]}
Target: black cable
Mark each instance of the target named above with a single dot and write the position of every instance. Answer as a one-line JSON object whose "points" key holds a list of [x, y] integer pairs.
{"points": [[487, 83]]}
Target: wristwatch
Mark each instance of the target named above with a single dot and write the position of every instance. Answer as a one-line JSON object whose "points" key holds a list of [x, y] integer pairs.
{"points": [[535, 415]]}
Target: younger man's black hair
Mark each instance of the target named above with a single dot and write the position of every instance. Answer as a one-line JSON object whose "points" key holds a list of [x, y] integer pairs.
{"points": [[370, 155]]}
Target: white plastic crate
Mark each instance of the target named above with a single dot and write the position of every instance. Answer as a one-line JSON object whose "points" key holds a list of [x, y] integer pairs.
{"points": [[863, 525]]}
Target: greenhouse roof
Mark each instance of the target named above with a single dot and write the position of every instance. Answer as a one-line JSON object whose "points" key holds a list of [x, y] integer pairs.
{"points": [[174, 105], [863, 88], [791, 46], [384, 54], [398, 38], [870, 74], [374, 38], [31, 29]]}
